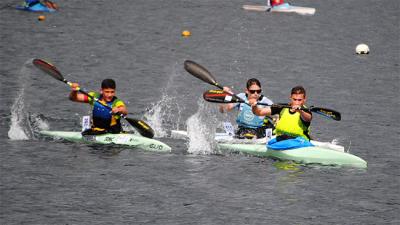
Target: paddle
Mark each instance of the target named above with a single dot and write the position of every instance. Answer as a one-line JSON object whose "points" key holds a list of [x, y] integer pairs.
{"points": [[203, 74], [220, 96], [143, 128]]}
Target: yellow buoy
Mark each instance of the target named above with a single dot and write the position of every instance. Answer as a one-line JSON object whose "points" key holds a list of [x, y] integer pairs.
{"points": [[186, 33], [41, 18]]}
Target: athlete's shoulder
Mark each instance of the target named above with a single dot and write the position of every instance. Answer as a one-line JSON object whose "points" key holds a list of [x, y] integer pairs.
{"points": [[242, 95], [266, 100]]}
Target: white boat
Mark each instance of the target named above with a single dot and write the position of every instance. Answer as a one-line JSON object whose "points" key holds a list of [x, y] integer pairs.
{"points": [[125, 139], [285, 8], [323, 153]]}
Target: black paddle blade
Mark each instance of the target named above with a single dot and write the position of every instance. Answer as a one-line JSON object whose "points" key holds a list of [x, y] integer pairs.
{"points": [[330, 113], [200, 72], [220, 96], [142, 127], [48, 68]]}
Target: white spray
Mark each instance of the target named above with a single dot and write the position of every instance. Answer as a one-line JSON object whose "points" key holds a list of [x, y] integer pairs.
{"points": [[23, 124], [201, 129], [164, 115]]}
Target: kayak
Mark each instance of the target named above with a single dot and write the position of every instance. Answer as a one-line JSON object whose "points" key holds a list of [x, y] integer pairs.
{"points": [[322, 153], [36, 8], [124, 139], [285, 8], [305, 155]]}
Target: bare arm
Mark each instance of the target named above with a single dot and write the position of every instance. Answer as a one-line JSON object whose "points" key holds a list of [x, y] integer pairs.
{"points": [[259, 111], [227, 107], [75, 96], [305, 115]]}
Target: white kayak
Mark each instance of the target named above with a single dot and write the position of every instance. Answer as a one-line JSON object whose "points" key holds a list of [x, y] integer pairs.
{"points": [[285, 8], [323, 153], [125, 139]]}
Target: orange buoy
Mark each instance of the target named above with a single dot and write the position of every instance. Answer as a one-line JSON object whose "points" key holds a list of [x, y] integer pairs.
{"points": [[186, 33], [41, 17]]}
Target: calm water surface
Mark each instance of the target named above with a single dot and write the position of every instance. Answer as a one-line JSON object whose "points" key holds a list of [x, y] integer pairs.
{"points": [[139, 44]]}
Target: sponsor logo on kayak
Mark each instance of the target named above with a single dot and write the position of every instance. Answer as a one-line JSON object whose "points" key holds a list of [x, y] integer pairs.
{"points": [[154, 146], [109, 139]]}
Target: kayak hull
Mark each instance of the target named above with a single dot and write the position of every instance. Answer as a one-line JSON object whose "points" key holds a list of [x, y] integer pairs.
{"points": [[305, 155], [323, 153], [36, 8], [284, 8], [124, 139]]}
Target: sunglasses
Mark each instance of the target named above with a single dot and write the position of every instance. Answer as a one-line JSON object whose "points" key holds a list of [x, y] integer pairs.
{"points": [[254, 91]]}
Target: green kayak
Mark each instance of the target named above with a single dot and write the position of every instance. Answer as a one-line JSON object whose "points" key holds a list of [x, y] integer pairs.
{"points": [[305, 155], [125, 139], [323, 153]]}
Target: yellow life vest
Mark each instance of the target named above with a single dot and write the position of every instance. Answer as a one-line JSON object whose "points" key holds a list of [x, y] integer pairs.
{"points": [[291, 124]]}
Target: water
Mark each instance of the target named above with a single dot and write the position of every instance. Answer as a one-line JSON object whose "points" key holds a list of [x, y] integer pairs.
{"points": [[139, 44]]}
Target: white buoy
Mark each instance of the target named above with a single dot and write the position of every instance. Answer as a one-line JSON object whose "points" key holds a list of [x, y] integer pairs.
{"points": [[362, 49]]}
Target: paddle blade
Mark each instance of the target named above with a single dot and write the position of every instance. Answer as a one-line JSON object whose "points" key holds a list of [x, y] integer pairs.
{"points": [[48, 68], [220, 96], [200, 72], [330, 113], [142, 127]]}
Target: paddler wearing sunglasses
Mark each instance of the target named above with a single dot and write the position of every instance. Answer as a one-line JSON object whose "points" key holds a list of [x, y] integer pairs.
{"points": [[249, 124]]}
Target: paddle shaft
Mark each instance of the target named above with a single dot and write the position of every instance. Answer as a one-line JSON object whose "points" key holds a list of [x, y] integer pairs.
{"points": [[219, 96]]}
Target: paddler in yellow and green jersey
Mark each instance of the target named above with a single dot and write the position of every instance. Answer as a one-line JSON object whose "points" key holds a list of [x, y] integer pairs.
{"points": [[294, 121], [104, 120]]}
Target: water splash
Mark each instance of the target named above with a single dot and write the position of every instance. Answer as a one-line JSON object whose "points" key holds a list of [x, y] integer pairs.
{"points": [[24, 125], [342, 142], [201, 129], [38, 122], [18, 130], [164, 115]]}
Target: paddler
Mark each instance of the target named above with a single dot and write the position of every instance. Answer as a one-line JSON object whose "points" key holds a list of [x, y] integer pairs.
{"points": [[47, 3], [103, 120], [249, 125], [293, 122], [274, 3]]}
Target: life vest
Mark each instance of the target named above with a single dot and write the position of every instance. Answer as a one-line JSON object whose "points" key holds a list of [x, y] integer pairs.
{"points": [[246, 117], [102, 118], [291, 124]]}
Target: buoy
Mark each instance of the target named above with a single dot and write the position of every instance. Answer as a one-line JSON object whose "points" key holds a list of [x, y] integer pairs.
{"points": [[362, 49], [41, 17], [186, 33]]}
